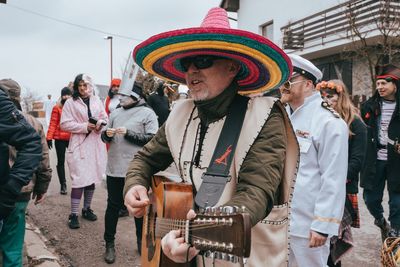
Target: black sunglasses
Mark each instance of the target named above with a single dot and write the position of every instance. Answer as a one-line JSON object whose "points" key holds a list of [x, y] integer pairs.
{"points": [[200, 62]]}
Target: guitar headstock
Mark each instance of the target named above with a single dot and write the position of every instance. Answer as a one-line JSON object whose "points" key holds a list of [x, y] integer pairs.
{"points": [[223, 233]]}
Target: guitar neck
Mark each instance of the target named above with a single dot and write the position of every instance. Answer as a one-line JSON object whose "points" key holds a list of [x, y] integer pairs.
{"points": [[164, 225]]}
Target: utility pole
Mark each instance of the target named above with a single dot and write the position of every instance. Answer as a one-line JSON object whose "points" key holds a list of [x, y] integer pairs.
{"points": [[111, 55]]}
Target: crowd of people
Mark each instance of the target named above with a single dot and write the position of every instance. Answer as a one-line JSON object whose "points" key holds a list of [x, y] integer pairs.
{"points": [[293, 162]]}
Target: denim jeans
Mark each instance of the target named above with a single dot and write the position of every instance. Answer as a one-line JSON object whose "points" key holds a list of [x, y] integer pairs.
{"points": [[373, 198]]}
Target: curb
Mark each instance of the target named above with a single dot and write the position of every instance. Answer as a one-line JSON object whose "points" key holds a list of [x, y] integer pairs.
{"points": [[36, 250]]}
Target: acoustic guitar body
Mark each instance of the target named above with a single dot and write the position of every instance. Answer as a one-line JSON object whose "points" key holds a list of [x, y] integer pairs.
{"points": [[167, 200]]}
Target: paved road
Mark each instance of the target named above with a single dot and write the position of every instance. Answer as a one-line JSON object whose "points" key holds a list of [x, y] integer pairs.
{"points": [[85, 246]]}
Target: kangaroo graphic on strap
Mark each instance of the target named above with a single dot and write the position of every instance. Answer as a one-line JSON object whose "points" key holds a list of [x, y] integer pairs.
{"points": [[223, 158]]}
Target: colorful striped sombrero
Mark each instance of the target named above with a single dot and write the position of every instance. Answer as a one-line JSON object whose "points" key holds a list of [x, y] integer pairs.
{"points": [[264, 65]]}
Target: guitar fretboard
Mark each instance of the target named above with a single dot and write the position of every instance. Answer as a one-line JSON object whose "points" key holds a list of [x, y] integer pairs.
{"points": [[164, 225]]}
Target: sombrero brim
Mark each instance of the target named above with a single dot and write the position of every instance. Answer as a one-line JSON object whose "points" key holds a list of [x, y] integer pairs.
{"points": [[264, 65]]}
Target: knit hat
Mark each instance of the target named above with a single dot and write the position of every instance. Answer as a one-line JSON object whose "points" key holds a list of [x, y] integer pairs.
{"points": [[263, 64], [12, 88], [66, 91], [115, 82], [137, 91], [387, 71]]}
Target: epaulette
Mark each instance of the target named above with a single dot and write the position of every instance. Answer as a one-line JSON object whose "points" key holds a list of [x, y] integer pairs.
{"points": [[326, 106]]}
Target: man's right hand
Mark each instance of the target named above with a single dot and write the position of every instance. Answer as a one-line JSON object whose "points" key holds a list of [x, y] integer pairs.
{"points": [[316, 239], [136, 200]]}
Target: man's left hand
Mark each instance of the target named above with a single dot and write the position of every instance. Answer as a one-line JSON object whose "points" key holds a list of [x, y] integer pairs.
{"points": [[174, 246], [39, 198], [316, 240]]}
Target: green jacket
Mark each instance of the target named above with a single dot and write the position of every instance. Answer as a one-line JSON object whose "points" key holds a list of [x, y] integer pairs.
{"points": [[259, 175]]}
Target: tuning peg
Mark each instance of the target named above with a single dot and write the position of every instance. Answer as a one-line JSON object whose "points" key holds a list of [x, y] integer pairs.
{"points": [[229, 210], [243, 209], [233, 258], [207, 210], [217, 255], [225, 256], [213, 210], [208, 254]]}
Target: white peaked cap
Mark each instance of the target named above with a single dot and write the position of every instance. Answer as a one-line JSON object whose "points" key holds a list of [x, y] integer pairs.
{"points": [[305, 67]]}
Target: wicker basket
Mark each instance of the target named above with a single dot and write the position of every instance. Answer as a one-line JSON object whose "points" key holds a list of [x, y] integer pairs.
{"points": [[387, 253]]}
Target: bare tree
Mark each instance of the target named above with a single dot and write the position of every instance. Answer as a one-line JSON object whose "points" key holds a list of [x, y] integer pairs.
{"points": [[28, 97], [377, 42]]}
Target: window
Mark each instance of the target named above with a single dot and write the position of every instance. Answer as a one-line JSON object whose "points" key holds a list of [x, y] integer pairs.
{"points": [[267, 30], [337, 69]]}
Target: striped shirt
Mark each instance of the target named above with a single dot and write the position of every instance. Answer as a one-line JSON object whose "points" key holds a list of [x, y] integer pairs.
{"points": [[387, 110]]}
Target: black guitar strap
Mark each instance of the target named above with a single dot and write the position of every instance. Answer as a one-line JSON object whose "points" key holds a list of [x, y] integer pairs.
{"points": [[217, 174]]}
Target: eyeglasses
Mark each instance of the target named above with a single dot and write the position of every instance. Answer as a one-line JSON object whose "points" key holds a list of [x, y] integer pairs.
{"points": [[288, 84], [200, 62]]}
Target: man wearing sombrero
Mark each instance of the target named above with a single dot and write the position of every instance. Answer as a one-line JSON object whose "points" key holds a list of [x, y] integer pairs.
{"points": [[220, 66]]}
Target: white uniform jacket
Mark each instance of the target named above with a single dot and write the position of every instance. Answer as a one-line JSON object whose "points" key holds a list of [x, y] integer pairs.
{"points": [[320, 188]]}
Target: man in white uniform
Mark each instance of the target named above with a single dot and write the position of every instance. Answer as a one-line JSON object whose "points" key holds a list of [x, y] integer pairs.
{"points": [[319, 192]]}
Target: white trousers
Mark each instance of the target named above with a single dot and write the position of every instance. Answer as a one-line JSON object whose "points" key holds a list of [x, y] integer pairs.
{"points": [[301, 255]]}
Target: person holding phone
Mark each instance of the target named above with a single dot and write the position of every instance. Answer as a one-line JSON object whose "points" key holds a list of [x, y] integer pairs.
{"points": [[84, 116]]}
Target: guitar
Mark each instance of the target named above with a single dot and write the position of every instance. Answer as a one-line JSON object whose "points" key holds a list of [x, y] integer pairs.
{"points": [[222, 233]]}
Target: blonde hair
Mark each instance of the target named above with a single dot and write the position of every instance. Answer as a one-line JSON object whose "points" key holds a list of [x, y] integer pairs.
{"points": [[345, 107]]}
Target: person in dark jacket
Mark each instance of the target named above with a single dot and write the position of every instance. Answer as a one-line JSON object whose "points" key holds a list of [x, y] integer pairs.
{"points": [[14, 131], [334, 92], [61, 138], [159, 103], [381, 113]]}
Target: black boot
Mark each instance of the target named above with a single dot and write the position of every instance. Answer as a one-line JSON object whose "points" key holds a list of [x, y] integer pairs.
{"points": [[394, 232], [61, 178], [73, 222], [384, 226], [63, 190], [89, 215], [109, 256]]}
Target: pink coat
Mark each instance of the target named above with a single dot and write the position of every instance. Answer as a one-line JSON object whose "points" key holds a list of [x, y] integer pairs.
{"points": [[86, 154]]}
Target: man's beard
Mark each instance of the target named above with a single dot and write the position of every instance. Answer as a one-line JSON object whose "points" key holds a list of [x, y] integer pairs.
{"points": [[286, 97], [200, 95]]}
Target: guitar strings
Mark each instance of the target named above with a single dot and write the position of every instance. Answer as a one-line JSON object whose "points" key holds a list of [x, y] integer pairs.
{"points": [[167, 228], [182, 223], [191, 227]]}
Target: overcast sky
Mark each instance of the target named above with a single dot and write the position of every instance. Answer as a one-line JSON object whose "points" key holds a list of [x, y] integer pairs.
{"points": [[43, 54]]}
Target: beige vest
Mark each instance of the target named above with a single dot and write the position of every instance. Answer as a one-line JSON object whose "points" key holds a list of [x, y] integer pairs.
{"points": [[270, 236]]}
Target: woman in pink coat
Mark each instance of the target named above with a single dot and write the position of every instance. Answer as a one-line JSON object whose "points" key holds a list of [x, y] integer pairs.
{"points": [[84, 115]]}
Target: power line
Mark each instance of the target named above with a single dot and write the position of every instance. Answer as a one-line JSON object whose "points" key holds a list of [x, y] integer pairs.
{"points": [[74, 24]]}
